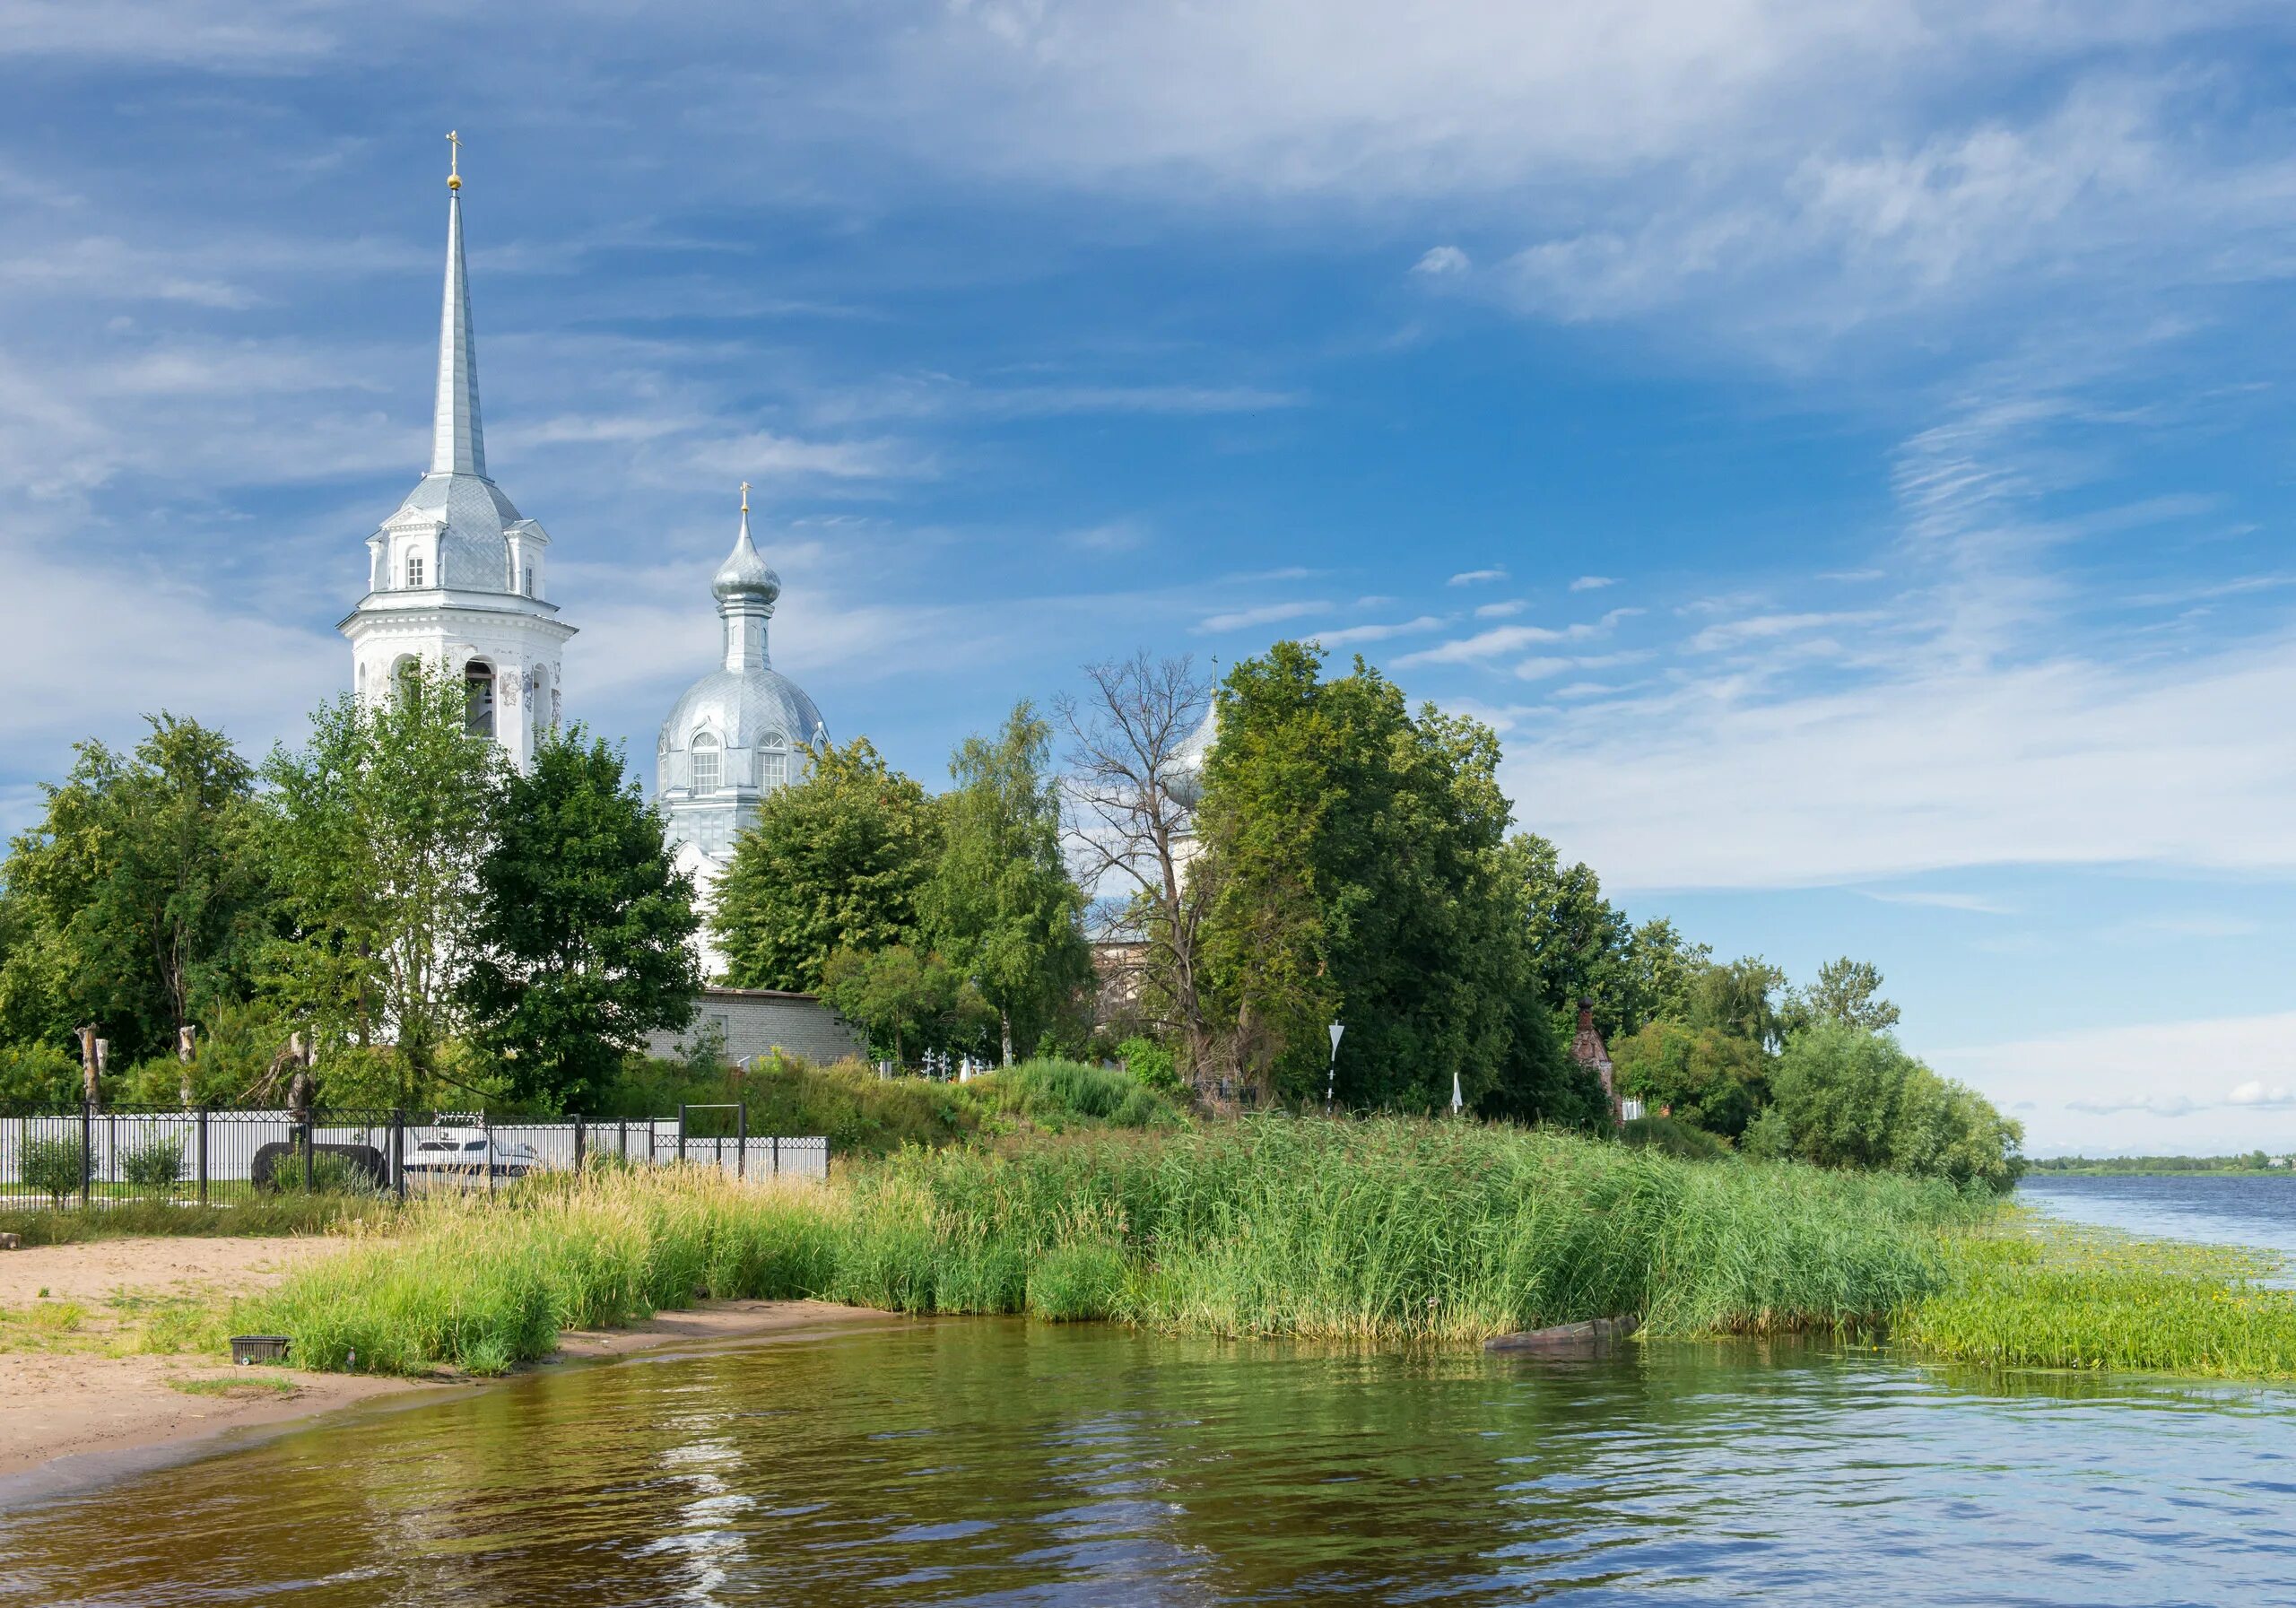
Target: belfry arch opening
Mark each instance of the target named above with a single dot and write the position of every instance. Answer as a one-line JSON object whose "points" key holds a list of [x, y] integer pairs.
{"points": [[478, 699]]}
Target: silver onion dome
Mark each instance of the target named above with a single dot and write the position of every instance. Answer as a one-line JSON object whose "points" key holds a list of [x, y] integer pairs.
{"points": [[744, 573]]}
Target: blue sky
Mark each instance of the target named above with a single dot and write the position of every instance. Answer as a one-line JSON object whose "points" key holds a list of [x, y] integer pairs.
{"points": [[1843, 447]]}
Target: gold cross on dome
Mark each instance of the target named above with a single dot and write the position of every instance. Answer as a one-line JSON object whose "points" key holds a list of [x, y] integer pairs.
{"points": [[453, 160], [746, 497]]}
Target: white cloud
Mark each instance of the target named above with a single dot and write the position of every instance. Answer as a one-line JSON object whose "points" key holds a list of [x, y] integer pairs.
{"points": [[2256, 1091], [1591, 583], [1760, 627], [1442, 262], [1379, 633], [1509, 638], [1266, 614], [1501, 610], [1977, 904], [1475, 577], [2221, 1082]]}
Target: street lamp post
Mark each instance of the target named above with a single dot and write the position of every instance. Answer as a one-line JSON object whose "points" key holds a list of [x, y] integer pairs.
{"points": [[1331, 1078]]}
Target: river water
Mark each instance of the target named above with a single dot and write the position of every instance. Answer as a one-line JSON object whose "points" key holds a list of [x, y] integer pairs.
{"points": [[992, 1461]]}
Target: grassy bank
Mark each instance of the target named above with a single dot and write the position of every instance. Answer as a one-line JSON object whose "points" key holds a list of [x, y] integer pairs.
{"points": [[2024, 1292], [257, 1216], [1391, 1232]]}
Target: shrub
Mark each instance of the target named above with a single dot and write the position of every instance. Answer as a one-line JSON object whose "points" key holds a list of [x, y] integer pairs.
{"points": [[1151, 1064], [39, 1076], [153, 1166], [1672, 1136], [56, 1167]]}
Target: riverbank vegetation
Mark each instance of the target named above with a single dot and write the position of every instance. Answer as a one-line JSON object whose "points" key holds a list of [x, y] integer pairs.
{"points": [[2024, 1292], [1387, 1232]]}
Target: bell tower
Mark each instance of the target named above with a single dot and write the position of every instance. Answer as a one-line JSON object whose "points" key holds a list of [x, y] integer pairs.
{"points": [[457, 578]]}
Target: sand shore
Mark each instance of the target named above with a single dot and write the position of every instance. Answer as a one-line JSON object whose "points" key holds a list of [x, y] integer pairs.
{"points": [[67, 1399]]}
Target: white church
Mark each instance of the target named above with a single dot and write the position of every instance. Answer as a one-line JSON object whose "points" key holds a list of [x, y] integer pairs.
{"points": [[457, 576]]}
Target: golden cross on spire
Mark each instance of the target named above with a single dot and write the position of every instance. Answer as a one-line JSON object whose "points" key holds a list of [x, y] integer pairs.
{"points": [[746, 497], [453, 160]]}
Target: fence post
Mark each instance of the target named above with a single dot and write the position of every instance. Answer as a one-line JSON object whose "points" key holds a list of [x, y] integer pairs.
{"points": [[580, 1132], [777, 1155], [310, 1158], [742, 1140], [87, 1151], [486, 1127], [398, 1151], [681, 1132], [625, 1139], [202, 1155]]}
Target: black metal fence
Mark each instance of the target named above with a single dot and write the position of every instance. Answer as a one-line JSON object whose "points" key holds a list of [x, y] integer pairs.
{"points": [[90, 1158]]}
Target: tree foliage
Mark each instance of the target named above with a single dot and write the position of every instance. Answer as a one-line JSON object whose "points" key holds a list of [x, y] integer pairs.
{"points": [[140, 899], [382, 823], [1356, 875], [1846, 991], [1844, 1097], [1000, 904], [908, 1001], [836, 861], [1704, 1076], [1582, 947], [581, 927], [1740, 998]]}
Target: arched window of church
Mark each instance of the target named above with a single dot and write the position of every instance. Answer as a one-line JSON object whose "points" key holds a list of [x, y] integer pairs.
{"points": [[773, 763], [413, 571], [478, 699], [705, 762]]}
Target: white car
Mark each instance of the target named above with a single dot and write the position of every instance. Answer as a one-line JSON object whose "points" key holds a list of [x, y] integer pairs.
{"points": [[468, 1156]]}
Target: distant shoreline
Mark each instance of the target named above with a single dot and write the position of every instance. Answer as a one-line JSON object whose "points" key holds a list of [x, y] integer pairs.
{"points": [[2161, 1171]]}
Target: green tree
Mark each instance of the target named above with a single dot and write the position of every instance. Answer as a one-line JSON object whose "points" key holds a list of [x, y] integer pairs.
{"points": [[836, 861], [1582, 946], [1843, 1097], [1000, 903], [1846, 991], [906, 1001], [582, 927], [1354, 859], [142, 897], [1706, 1077], [382, 823], [1740, 998]]}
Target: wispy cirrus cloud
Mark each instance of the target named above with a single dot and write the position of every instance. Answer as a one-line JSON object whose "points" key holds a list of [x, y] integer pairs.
{"points": [[1270, 614], [1384, 631], [1476, 578]]}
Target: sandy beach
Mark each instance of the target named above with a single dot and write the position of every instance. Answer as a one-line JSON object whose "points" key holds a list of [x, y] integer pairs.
{"points": [[68, 1392]]}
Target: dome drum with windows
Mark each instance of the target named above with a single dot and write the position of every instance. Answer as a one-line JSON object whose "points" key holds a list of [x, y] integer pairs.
{"points": [[739, 732]]}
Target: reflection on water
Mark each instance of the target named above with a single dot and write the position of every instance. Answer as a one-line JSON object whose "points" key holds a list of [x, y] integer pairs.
{"points": [[992, 1461], [2258, 1209]]}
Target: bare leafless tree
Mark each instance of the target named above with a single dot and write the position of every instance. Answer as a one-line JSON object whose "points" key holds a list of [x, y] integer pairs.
{"points": [[1132, 780]]}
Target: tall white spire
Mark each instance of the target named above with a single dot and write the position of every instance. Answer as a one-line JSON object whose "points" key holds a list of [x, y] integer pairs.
{"points": [[458, 445]]}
